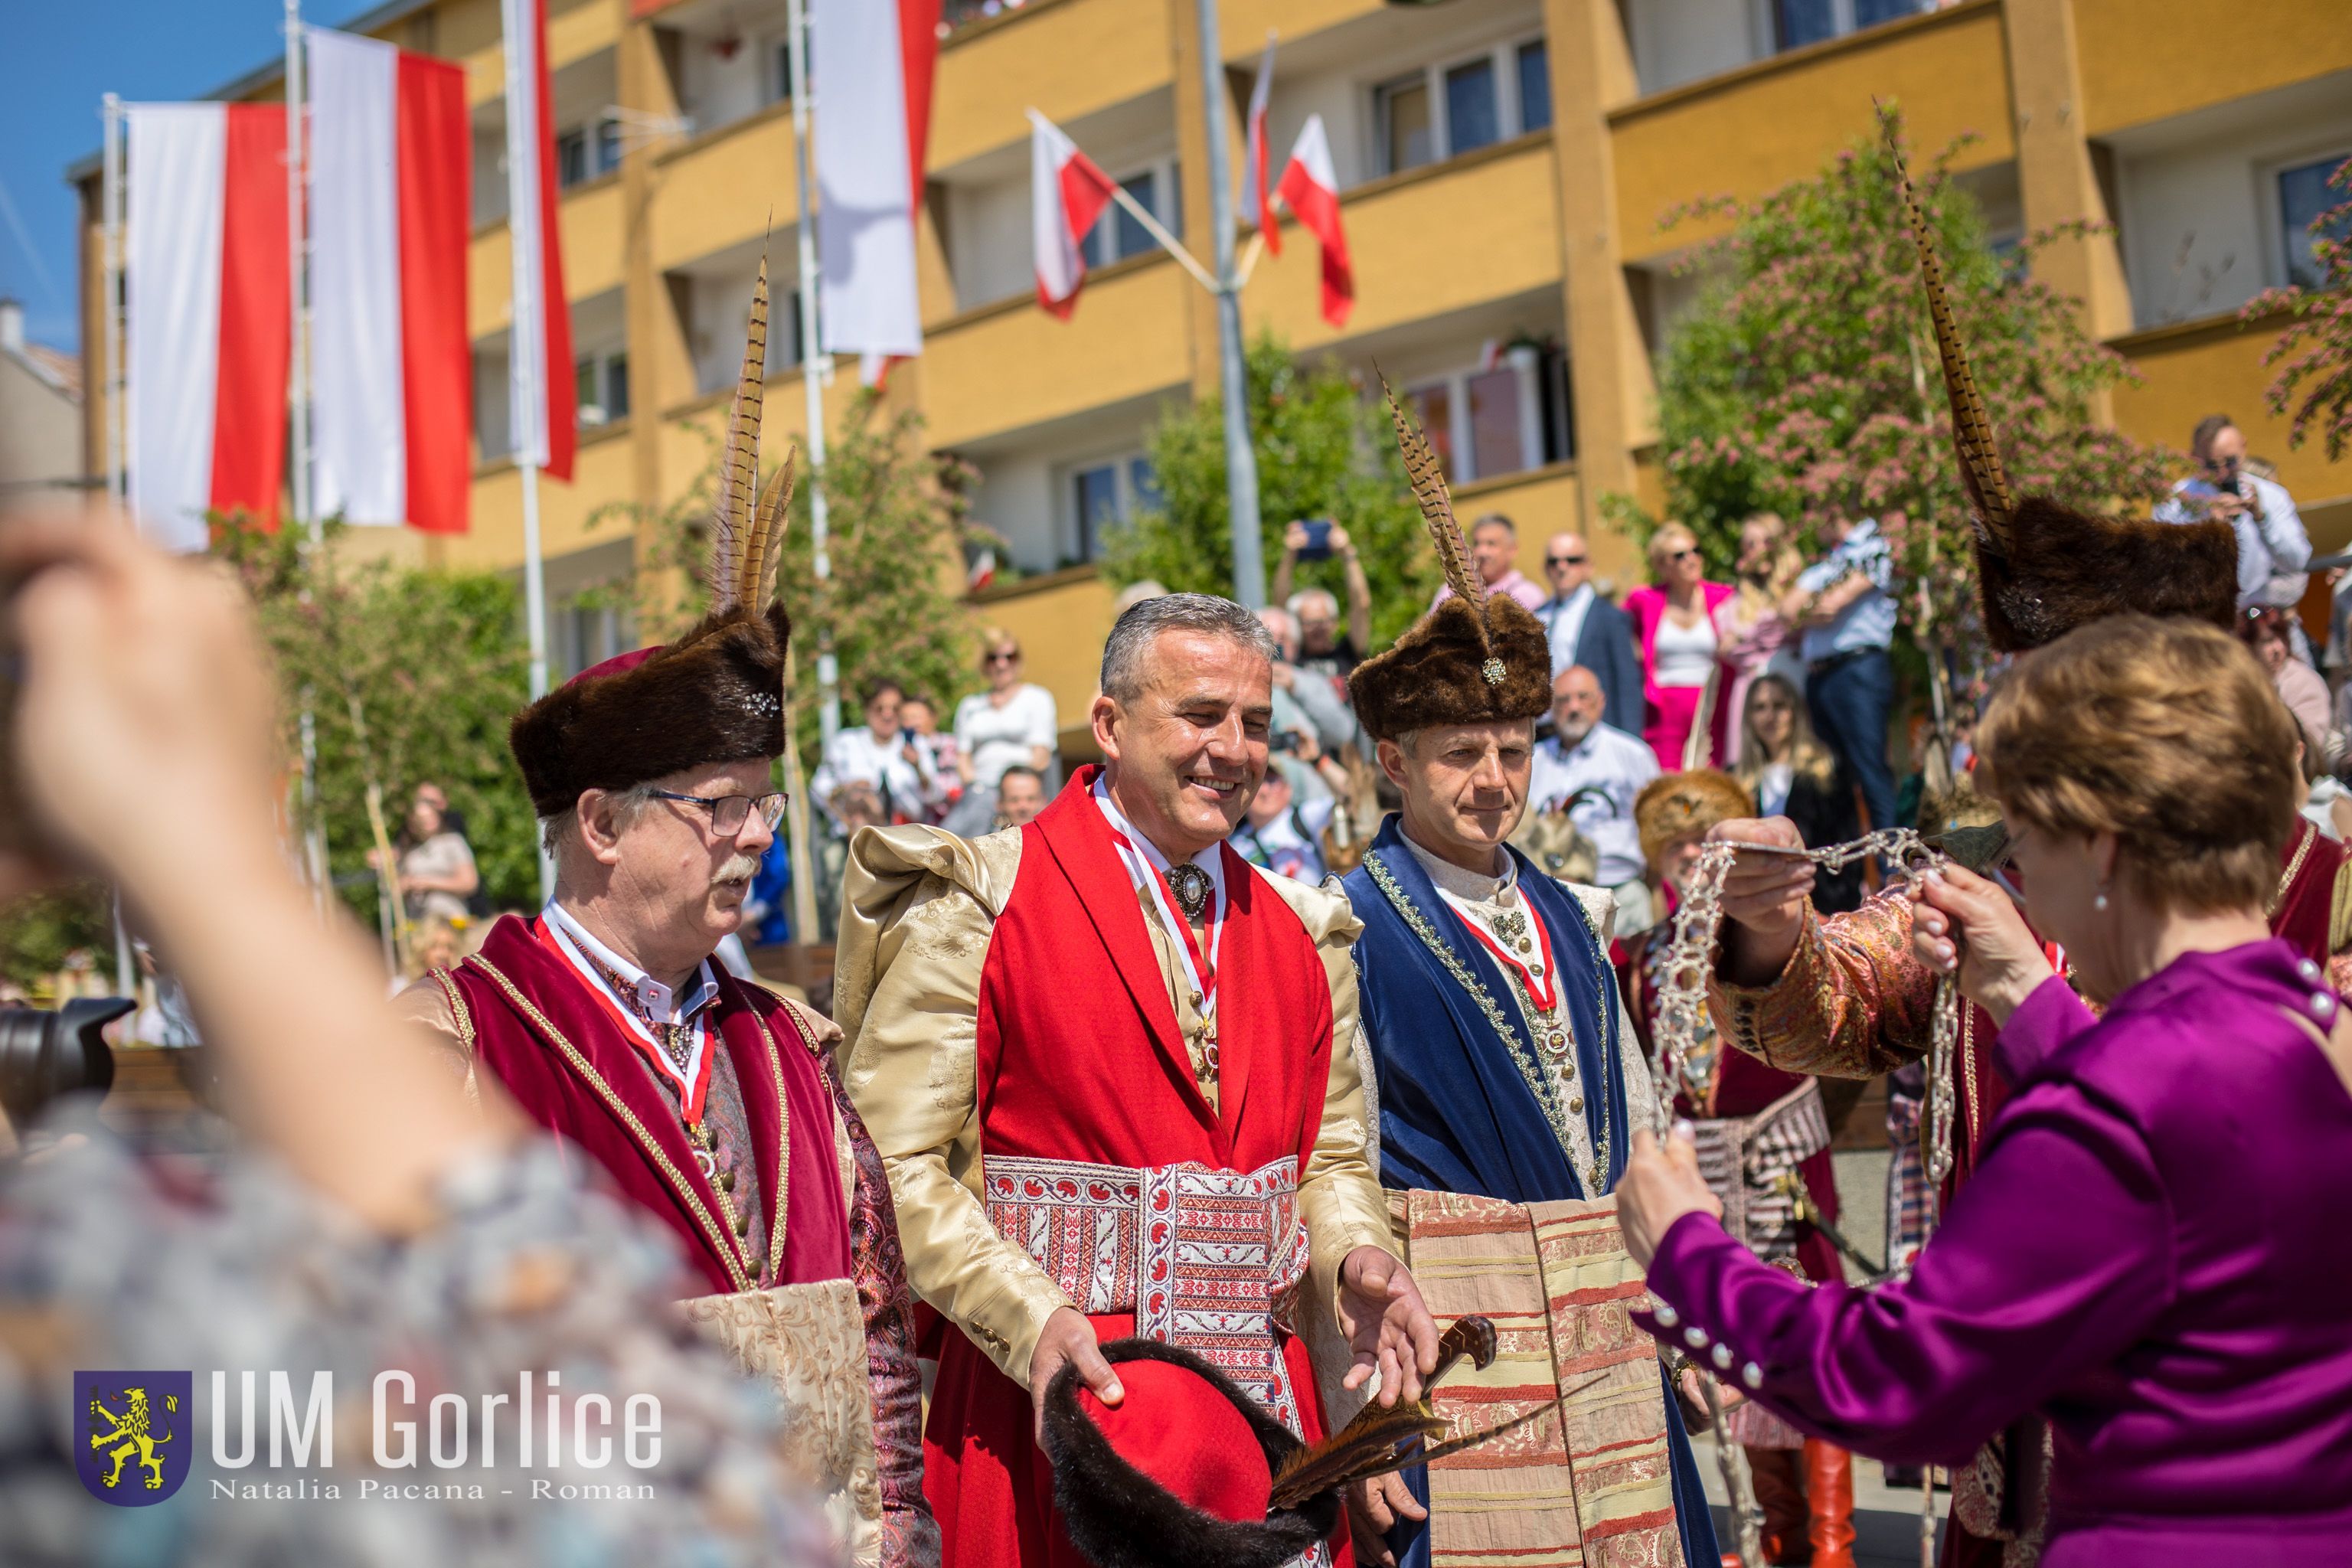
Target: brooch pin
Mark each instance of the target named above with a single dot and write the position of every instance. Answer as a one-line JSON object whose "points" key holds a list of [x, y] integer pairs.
{"points": [[1191, 886], [1493, 670]]}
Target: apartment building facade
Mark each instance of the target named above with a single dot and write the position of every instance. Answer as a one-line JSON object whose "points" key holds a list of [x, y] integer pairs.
{"points": [[1504, 166]]}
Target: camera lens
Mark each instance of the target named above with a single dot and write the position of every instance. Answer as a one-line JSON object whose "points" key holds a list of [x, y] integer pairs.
{"points": [[45, 1055]]}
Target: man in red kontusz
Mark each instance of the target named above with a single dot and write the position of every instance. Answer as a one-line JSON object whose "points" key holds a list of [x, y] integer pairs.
{"points": [[1112, 1070]]}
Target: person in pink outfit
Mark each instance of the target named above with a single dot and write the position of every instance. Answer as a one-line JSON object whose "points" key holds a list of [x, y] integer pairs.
{"points": [[1753, 630], [1673, 622]]}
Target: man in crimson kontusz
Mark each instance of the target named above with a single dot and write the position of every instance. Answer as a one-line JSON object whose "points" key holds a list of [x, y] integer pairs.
{"points": [[709, 1102], [1112, 1070]]}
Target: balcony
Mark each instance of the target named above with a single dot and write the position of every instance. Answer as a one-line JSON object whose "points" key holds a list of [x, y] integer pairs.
{"points": [[1066, 58], [588, 221], [469, 35], [2150, 60], [1009, 365], [1408, 235], [1751, 131], [600, 473], [725, 187]]}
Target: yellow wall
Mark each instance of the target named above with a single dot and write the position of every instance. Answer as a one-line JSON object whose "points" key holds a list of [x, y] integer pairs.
{"points": [[1757, 129], [1070, 58], [1005, 367], [2151, 60], [724, 189], [600, 475]]}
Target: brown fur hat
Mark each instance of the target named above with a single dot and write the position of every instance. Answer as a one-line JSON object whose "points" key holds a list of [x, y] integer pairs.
{"points": [[1442, 671], [1675, 806], [716, 695], [2059, 568]]}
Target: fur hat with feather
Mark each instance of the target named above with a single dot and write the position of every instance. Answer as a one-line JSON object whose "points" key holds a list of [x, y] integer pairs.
{"points": [[715, 695], [2042, 568], [1477, 658]]}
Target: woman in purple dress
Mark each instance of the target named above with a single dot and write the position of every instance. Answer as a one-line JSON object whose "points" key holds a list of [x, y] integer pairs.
{"points": [[2150, 1258]]}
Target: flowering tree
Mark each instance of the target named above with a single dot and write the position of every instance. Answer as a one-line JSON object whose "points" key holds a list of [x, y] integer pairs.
{"points": [[1806, 380], [2314, 355]]}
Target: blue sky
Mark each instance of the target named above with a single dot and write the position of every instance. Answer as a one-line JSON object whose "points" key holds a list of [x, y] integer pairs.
{"points": [[61, 57]]}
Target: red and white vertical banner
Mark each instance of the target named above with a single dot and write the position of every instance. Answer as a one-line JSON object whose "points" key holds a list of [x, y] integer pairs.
{"points": [[209, 314], [391, 202], [543, 397], [1256, 204], [1067, 191], [874, 60], [1310, 188]]}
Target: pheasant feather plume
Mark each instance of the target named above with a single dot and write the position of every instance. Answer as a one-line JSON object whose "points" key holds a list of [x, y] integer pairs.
{"points": [[1981, 474], [748, 523], [1427, 478]]}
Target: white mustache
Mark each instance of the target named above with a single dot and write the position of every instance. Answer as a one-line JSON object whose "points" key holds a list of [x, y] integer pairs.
{"points": [[739, 867]]}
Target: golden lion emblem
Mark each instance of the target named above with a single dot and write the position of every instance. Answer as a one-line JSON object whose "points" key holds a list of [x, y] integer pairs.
{"points": [[133, 1436]]}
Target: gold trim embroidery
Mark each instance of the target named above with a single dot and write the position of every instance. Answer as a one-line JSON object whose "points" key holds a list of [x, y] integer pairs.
{"points": [[729, 1248], [463, 1017], [2293, 866]]}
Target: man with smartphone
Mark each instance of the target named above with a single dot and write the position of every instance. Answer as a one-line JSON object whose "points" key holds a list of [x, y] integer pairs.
{"points": [[2273, 550]]}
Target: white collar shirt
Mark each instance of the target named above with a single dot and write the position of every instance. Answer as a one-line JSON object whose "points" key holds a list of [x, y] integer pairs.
{"points": [[1612, 766], [1563, 622], [647, 1001]]}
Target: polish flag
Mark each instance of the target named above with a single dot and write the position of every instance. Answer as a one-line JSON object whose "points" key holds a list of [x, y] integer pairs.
{"points": [[391, 202], [876, 59], [1256, 206], [209, 307], [1066, 193], [1310, 189], [545, 403]]}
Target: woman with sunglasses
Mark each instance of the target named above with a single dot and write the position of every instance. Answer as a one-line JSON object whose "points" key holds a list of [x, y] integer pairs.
{"points": [[1012, 724], [2143, 1273], [1673, 622]]}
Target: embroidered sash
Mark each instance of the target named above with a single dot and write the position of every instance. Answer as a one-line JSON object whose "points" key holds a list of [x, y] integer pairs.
{"points": [[1742, 1159], [1211, 1260]]}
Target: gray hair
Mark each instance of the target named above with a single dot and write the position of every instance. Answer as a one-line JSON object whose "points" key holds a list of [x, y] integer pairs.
{"points": [[627, 803], [1298, 602], [1124, 654]]}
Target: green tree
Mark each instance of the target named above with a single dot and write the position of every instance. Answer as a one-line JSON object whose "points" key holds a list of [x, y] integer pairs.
{"points": [[410, 675], [1805, 382], [1323, 450], [898, 522], [39, 930]]}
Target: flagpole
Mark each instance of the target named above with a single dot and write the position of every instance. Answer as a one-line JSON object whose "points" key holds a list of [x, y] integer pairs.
{"points": [[525, 346], [111, 374], [815, 362], [298, 407], [1240, 459]]}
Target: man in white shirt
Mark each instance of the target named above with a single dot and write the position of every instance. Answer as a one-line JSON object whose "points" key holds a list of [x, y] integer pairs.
{"points": [[2273, 548], [884, 754], [1495, 547], [1593, 772], [1283, 832]]}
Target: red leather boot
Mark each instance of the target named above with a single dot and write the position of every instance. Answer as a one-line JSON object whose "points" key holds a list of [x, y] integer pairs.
{"points": [[1780, 1495], [1829, 1494]]}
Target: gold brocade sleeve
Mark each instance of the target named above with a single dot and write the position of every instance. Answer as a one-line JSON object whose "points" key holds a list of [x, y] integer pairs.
{"points": [[1852, 1002], [1339, 1198], [919, 909]]}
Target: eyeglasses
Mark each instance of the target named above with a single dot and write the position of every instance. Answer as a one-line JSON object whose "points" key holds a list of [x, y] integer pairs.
{"points": [[2220, 465], [1685, 553], [1001, 656], [728, 813], [1563, 560]]}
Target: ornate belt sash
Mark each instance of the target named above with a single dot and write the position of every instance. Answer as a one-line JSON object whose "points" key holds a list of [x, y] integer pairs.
{"points": [[1742, 1158], [1211, 1260]]}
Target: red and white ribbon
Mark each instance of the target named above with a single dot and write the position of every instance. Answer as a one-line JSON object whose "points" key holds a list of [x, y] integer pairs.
{"points": [[1149, 868], [692, 1082], [1543, 982]]}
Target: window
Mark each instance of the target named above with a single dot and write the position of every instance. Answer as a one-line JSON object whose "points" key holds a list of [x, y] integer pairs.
{"points": [[1535, 87], [1116, 236], [1461, 105], [601, 383], [784, 64], [2303, 195], [586, 151], [1107, 494], [1473, 117], [1797, 23], [1502, 418]]}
